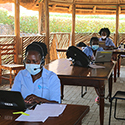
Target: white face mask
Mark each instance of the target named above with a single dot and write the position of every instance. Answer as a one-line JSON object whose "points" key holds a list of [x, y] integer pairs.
{"points": [[104, 37], [33, 69]]}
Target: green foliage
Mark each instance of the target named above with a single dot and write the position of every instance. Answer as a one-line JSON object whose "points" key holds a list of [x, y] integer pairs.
{"points": [[60, 25], [28, 24], [94, 25], [63, 23], [5, 18]]}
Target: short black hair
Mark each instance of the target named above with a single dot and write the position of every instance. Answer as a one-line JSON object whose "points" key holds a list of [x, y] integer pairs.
{"points": [[81, 44], [37, 46], [105, 30], [93, 38]]}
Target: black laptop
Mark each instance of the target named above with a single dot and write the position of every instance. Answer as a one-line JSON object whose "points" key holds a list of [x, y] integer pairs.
{"points": [[13, 100]]}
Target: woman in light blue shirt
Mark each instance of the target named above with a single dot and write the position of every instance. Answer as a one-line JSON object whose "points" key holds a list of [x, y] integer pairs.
{"points": [[36, 83], [90, 51], [105, 33]]}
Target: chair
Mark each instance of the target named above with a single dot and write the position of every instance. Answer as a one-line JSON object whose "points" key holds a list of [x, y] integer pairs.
{"points": [[118, 95], [8, 61]]}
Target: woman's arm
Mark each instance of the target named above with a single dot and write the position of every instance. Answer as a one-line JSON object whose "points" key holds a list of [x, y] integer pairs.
{"points": [[54, 91], [33, 98]]}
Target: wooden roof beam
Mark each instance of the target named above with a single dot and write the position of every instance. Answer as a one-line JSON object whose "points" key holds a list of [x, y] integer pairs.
{"points": [[97, 13], [58, 2], [97, 4], [53, 7], [70, 8], [94, 9], [36, 3], [61, 8], [119, 9]]}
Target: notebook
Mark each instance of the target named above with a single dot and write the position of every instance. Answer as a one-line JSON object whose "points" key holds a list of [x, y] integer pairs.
{"points": [[103, 56], [13, 100], [102, 44]]}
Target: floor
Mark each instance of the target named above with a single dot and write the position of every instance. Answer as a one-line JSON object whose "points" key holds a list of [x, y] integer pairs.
{"points": [[72, 95]]}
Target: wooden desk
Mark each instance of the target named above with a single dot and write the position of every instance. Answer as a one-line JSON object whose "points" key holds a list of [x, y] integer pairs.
{"points": [[61, 49], [72, 115], [79, 76], [117, 54]]}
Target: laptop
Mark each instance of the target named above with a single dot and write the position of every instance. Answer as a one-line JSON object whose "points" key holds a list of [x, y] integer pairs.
{"points": [[103, 56], [13, 100]]}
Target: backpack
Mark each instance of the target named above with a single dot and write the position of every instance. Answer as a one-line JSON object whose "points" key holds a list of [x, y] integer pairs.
{"points": [[79, 58]]}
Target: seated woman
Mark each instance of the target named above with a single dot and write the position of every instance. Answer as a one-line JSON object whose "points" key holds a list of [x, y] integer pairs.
{"points": [[105, 33], [36, 83], [91, 51]]}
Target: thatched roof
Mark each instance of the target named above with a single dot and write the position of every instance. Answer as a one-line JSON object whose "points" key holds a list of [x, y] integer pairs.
{"points": [[82, 6]]}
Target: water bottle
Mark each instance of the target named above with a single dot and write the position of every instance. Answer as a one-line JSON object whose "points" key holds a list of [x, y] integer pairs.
{"points": [[122, 46]]}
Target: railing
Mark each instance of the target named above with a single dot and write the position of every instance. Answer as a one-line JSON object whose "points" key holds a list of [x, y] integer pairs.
{"points": [[62, 40], [26, 40], [57, 40], [85, 37], [7, 59]]}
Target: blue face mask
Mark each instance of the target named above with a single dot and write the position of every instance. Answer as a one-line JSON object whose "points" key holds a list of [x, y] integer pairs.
{"points": [[33, 69], [95, 47]]}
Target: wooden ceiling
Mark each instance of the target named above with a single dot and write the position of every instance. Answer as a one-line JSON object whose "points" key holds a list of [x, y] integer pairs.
{"points": [[83, 7]]}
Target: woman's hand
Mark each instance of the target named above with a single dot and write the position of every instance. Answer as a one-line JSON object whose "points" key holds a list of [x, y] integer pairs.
{"points": [[33, 98]]}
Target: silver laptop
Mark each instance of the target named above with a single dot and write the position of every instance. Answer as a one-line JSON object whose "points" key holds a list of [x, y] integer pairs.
{"points": [[13, 100], [103, 56]]}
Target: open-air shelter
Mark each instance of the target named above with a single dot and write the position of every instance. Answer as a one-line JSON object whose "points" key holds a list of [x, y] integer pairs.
{"points": [[82, 7]]}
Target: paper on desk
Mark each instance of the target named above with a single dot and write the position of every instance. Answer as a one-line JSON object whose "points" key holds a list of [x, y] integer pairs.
{"points": [[33, 117], [42, 112], [51, 109], [94, 66]]}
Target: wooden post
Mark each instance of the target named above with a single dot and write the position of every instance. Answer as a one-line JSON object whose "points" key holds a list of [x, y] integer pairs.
{"points": [[47, 29], [41, 24], [17, 32], [117, 26], [73, 25]]}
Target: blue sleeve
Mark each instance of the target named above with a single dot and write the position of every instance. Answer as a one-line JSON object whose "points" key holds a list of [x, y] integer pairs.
{"points": [[17, 83], [55, 92], [111, 42], [88, 51], [100, 49]]}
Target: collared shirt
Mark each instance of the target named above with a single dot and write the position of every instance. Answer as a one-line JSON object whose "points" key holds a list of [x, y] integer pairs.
{"points": [[88, 51], [108, 42], [47, 86]]}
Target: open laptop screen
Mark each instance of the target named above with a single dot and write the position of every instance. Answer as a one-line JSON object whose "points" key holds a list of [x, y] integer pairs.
{"points": [[103, 56], [13, 100]]}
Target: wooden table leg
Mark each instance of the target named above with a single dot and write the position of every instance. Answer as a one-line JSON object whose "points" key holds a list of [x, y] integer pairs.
{"points": [[115, 69], [62, 87], [119, 64], [110, 87], [101, 108], [101, 93], [0, 76], [11, 78]]}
